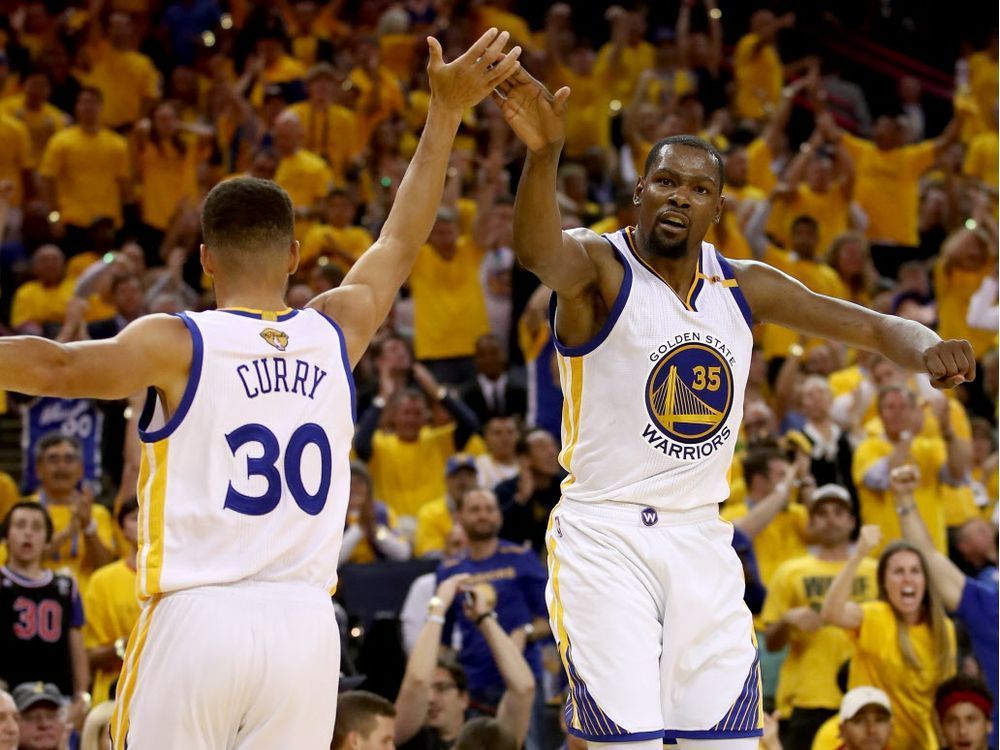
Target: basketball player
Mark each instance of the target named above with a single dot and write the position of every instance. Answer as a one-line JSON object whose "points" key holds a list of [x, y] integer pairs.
{"points": [[244, 483], [653, 330]]}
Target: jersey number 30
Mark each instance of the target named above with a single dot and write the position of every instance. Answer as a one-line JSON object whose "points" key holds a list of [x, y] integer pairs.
{"points": [[266, 466]]}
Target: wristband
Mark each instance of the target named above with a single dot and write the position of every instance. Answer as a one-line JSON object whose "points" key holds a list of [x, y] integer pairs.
{"points": [[91, 528], [483, 616], [439, 619], [905, 509]]}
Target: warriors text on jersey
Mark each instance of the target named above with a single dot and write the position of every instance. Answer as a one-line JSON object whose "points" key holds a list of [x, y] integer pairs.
{"points": [[248, 479], [654, 402]]}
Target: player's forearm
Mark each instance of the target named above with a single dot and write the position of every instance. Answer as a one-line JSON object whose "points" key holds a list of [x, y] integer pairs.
{"points": [[537, 221], [903, 341], [34, 366]]}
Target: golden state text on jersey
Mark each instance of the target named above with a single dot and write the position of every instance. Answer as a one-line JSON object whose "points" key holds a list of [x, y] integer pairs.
{"points": [[654, 401]]}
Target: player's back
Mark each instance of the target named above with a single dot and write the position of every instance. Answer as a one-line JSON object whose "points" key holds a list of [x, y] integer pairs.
{"points": [[248, 478]]}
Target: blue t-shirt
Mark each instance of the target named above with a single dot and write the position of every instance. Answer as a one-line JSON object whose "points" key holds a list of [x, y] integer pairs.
{"points": [[978, 612], [518, 578]]}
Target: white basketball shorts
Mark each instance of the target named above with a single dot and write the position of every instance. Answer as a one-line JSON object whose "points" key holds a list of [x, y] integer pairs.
{"points": [[647, 609], [250, 665]]}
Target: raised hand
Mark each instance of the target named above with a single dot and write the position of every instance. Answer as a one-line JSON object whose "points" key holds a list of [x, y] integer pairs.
{"points": [[469, 79], [535, 115], [447, 589], [869, 538], [950, 363], [904, 480]]}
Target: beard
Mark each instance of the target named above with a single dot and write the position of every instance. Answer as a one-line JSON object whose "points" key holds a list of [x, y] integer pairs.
{"points": [[662, 247]]}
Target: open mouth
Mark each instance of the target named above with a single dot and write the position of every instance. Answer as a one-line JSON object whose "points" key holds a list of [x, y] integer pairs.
{"points": [[908, 594], [674, 220]]}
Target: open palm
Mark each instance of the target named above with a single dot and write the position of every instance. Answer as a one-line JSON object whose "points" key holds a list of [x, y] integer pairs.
{"points": [[531, 111]]}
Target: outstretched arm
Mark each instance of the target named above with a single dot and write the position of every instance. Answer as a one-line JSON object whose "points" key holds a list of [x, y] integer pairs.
{"points": [[775, 297], [944, 575], [838, 609], [364, 299], [153, 351]]}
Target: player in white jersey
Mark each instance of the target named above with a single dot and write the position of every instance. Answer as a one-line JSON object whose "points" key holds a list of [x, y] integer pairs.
{"points": [[246, 437], [654, 339]]}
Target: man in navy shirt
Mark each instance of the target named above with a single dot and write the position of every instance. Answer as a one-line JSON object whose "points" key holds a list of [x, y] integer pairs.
{"points": [[971, 602], [502, 573]]}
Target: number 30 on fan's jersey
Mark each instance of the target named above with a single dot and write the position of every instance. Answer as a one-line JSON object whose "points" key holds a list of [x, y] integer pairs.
{"points": [[266, 466]]}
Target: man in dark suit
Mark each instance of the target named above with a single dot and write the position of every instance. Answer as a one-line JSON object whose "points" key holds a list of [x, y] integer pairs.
{"points": [[491, 393]]}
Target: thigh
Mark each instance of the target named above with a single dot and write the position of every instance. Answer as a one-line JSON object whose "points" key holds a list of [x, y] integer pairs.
{"points": [[605, 615], [295, 703], [184, 677], [709, 669]]}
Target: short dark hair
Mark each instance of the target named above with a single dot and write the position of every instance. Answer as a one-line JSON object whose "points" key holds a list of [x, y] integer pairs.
{"points": [[804, 219], [30, 505], [246, 216], [55, 437], [757, 461], [356, 712], [975, 689], [129, 505], [693, 142], [485, 732], [455, 671]]}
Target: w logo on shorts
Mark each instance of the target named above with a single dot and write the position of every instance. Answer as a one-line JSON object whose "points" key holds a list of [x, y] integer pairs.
{"points": [[649, 516]]}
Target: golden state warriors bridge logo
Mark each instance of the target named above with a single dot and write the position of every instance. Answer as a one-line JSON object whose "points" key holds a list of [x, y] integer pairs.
{"points": [[689, 394]]}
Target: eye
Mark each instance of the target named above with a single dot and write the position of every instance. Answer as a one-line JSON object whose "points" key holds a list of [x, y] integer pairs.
{"points": [[666, 181], [702, 190]]}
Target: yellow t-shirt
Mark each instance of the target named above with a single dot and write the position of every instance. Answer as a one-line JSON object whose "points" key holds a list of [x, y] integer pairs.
{"points": [[112, 610], [168, 177], [759, 77], [878, 661], [981, 160], [887, 187], [284, 70], [492, 17], [728, 238], [391, 101], [331, 134], [984, 78], [588, 112], [305, 177], [954, 288], [9, 494], [829, 209], [34, 303], [126, 79], [434, 523], [69, 557], [86, 169], [819, 277], [352, 240], [785, 537], [631, 63], [808, 677], [16, 155], [759, 171], [41, 125], [607, 225], [449, 310], [878, 506], [406, 476], [828, 736], [397, 52]]}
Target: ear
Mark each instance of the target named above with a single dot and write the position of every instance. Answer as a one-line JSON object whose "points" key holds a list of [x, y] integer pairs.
{"points": [[718, 209], [637, 193], [293, 257], [206, 260]]}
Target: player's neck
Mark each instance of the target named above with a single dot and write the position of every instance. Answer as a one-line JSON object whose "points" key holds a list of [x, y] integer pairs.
{"points": [[677, 272], [253, 299], [32, 570], [484, 549]]}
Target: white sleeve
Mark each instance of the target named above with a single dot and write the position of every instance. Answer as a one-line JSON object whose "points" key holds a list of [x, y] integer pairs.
{"points": [[414, 610], [983, 312]]}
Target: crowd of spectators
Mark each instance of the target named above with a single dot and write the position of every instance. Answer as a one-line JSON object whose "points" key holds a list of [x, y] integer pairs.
{"points": [[864, 502]]}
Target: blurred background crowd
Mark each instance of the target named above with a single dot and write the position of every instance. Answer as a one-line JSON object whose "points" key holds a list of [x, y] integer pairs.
{"points": [[861, 146]]}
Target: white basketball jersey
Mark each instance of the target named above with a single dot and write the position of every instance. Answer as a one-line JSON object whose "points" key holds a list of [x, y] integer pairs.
{"points": [[248, 479], [653, 403]]}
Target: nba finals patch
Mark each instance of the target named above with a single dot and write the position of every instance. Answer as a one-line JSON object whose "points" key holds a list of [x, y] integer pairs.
{"points": [[277, 339], [689, 394]]}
